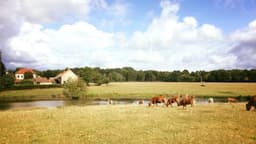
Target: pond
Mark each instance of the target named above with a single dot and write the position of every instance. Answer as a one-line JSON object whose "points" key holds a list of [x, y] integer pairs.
{"points": [[61, 103]]}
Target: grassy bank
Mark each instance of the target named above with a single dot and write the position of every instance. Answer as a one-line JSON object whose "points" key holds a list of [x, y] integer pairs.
{"points": [[214, 123], [139, 90], [31, 94]]}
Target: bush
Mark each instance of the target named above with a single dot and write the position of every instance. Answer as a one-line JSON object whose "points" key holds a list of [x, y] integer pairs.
{"points": [[75, 89], [26, 82], [7, 81]]}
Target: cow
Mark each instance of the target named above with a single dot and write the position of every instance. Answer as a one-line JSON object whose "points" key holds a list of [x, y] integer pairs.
{"points": [[231, 100], [172, 100], [186, 100], [210, 100], [156, 100], [251, 103]]}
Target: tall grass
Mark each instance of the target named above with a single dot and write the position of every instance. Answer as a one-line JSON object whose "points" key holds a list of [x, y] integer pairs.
{"points": [[131, 124]]}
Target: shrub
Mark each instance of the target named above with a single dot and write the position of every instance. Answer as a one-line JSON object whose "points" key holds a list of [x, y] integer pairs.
{"points": [[7, 81], [75, 89], [26, 82]]}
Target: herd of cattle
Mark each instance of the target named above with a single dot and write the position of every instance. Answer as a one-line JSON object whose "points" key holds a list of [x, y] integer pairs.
{"points": [[179, 100], [190, 100]]}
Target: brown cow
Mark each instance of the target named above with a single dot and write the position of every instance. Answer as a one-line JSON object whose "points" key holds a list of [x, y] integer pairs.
{"points": [[187, 100], [172, 100], [251, 103], [231, 100], [156, 100]]}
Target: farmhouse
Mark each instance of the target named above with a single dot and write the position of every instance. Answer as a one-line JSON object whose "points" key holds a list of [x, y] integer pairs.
{"points": [[19, 75], [36, 79], [64, 76], [42, 81]]}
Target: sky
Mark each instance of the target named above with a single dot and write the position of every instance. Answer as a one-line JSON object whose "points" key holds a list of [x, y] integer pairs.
{"points": [[161, 35]]}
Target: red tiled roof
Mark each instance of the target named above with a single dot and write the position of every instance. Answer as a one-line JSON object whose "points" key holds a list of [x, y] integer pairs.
{"points": [[41, 79], [24, 70]]}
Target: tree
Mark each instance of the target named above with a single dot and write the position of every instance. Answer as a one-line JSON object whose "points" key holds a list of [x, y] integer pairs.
{"points": [[129, 73], [106, 80], [75, 89], [2, 67], [140, 76], [7, 81], [28, 75], [149, 76], [116, 76]]}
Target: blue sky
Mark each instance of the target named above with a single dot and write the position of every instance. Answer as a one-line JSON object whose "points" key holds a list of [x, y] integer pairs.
{"points": [[144, 34], [226, 14]]}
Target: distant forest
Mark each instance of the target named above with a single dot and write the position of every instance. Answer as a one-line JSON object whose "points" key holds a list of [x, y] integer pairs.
{"points": [[98, 75]]}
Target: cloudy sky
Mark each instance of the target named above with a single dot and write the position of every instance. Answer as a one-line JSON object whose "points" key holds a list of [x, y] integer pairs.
{"points": [[143, 34]]}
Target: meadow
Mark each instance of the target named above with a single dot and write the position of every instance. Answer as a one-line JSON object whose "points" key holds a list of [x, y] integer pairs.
{"points": [[139, 90], [130, 124]]}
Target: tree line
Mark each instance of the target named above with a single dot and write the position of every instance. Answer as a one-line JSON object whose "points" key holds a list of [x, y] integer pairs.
{"points": [[99, 75]]}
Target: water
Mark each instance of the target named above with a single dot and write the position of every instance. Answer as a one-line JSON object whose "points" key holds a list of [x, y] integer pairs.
{"points": [[61, 103]]}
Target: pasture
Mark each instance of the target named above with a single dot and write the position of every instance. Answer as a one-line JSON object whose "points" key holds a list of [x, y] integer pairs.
{"points": [[205, 123], [140, 90]]}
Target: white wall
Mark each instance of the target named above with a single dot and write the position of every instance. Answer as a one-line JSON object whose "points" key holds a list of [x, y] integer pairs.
{"points": [[68, 75], [19, 76]]}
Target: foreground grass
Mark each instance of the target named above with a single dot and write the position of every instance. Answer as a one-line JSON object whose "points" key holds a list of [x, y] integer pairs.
{"points": [[216, 123], [140, 90]]}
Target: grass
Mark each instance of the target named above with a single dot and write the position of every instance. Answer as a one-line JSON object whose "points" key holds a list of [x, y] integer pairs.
{"points": [[130, 124], [140, 90], [33, 94], [149, 89]]}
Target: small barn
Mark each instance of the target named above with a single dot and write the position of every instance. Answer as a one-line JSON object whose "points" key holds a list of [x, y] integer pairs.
{"points": [[64, 76], [42, 81]]}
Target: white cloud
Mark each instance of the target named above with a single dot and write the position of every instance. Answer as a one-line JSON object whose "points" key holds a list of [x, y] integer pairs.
{"points": [[179, 44], [190, 21], [246, 34], [43, 11], [252, 24], [72, 45], [168, 43], [244, 46]]}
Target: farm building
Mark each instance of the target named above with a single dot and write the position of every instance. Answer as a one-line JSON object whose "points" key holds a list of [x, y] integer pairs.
{"points": [[65, 76], [42, 81], [36, 79], [19, 75]]}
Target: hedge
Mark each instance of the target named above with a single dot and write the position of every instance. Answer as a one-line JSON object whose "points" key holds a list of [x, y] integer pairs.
{"points": [[21, 87]]}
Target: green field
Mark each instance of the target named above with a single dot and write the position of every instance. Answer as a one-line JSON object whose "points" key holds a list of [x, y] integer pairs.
{"points": [[140, 90], [131, 124]]}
